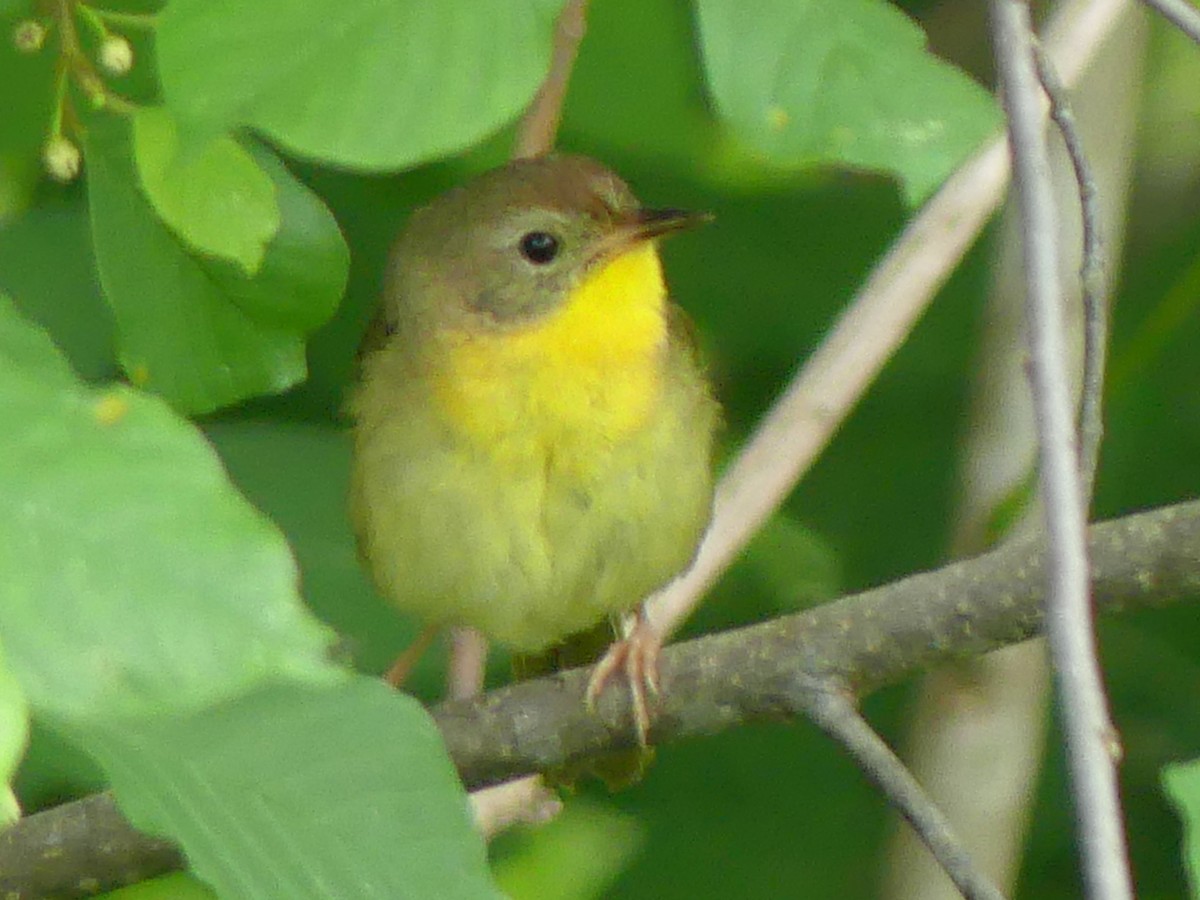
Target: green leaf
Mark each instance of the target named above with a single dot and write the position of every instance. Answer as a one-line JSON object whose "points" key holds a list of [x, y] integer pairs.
{"points": [[28, 80], [304, 273], [355, 82], [215, 197], [46, 266], [301, 793], [14, 734], [1182, 783], [27, 351], [136, 579], [14, 9], [199, 330], [176, 886], [841, 81]]}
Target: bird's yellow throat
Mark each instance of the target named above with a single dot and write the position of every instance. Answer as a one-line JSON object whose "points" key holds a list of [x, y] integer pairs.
{"points": [[572, 383]]}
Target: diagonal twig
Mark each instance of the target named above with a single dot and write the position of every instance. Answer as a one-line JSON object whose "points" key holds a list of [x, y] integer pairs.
{"points": [[539, 125], [1179, 13], [804, 418], [834, 713]]}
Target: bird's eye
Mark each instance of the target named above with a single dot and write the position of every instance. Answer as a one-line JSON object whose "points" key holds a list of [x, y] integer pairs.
{"points": [[539, 247]]}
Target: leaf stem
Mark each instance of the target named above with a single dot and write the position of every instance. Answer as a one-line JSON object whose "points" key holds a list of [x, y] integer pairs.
{"points": [[128, 19]]}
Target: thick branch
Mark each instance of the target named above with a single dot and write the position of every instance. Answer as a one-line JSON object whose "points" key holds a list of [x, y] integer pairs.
{"points": [[776, 670], [863, 641], [79, 849]]}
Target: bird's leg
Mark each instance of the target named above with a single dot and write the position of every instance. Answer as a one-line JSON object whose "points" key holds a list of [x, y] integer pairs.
{"points": [[399, 671], [636, 656], [468, 661]]}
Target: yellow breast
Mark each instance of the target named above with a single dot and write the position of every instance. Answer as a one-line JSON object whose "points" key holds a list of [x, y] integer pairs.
{"points": [[571, 384]]}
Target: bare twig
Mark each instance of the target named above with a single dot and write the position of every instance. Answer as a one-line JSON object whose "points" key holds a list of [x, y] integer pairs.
{"points": [[895, 295], [1179, 13], [1090, 736], [805, 417], [1092, 273], [856, 644], [834, 713], [535, 136], [522, 801], [975, 738]]}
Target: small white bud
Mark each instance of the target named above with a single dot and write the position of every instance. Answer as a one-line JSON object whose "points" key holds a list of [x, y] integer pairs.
{"points": [[61, 159], [29, 36], [116, 55]]}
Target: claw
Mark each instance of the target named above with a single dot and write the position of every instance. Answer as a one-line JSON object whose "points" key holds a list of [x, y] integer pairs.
{"points": [[636, 656]]}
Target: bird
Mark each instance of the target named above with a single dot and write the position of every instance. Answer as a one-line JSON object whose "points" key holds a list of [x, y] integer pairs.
{"points": [[533, 426]]}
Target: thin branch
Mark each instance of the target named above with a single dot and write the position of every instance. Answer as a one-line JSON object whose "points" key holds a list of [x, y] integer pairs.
{"points": [[1092, 274], [1089, 732], [834, 713], [1179, 13], [809, 412], [535, 136], [721, 681], [522, 801]]}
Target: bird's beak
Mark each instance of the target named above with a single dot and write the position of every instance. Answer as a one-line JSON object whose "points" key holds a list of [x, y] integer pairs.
{"points": [[646, 224]]}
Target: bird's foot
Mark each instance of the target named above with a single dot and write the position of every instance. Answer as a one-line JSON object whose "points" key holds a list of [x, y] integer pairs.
{"points": [[635, 656]]}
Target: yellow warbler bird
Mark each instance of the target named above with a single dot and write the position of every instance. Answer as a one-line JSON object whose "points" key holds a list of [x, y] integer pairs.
{"points": [[533, 432]]}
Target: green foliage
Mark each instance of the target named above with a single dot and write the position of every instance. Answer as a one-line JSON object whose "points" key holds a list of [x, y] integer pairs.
{"points": [[794, 565], [136, 579], [14, 732], [590, 840], [45, 256], [217, 199], [303, 793], [841, 81], [1182, 783], [197, 329], [177, 886], [149, 617], [147, 609], [356, 83]]}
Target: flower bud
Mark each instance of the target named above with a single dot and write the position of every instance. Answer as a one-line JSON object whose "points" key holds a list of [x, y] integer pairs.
{"points": [[29, 36], [116, 55], [61, 159]]}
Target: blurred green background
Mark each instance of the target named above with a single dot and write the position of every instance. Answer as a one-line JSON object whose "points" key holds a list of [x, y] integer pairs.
{"points": [[768, 811]]}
